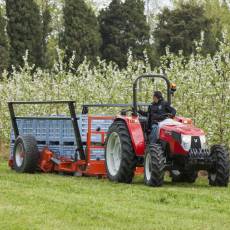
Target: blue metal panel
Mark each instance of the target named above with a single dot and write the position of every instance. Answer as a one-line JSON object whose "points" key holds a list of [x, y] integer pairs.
{"points": [[58, 135]]}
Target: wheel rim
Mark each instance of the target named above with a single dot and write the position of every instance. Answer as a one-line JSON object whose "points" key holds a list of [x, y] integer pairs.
{"points": [[148, 167], [113, 153], [19, 155], [176, 172], [213, 176]]}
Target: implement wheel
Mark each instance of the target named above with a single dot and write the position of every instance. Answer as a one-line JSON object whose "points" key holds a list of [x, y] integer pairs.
{"points": [[25, 154]]}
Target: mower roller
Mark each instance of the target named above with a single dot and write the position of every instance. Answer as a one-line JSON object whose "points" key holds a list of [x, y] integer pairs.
{"points": [[116, 147]]}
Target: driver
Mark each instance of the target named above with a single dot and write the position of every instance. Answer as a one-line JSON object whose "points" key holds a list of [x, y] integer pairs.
{"points": [[157, 112]]}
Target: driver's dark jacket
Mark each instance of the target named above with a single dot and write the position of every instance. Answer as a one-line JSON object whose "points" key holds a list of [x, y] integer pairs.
{"points": [[156, 112]]}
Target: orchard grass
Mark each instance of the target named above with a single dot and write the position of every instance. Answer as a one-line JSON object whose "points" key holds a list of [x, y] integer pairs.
{"points": [[49, 201]]}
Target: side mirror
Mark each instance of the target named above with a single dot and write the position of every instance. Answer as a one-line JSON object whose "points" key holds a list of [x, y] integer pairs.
{"points": [[173, 88]]}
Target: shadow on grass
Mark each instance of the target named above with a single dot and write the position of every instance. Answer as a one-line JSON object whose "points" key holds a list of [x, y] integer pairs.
{"points": [[167, 183], [138, 180], [187, 185]]}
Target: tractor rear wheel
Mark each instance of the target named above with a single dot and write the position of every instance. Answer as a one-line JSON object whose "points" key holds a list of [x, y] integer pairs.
{"points": [[219, 174], [189, 176], [25, 154], [154, 165], [120, 158]]}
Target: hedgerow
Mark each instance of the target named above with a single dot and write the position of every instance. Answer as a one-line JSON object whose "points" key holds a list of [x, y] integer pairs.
{"points": [[203, 88]]}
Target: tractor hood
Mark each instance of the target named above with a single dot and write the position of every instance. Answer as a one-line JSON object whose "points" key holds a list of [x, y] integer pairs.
{"points": [[180, 128], [184, 129], [182, 137]]}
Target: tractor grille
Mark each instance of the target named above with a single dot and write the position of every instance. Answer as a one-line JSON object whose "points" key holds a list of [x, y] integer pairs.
{"points": [[196, 144], [199, 154]]}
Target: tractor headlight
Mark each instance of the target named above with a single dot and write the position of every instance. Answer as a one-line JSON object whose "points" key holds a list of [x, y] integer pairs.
{"points": [[186, 142], [203, 142]]}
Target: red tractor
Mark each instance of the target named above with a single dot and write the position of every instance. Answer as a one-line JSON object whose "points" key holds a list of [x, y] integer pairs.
{"points": [[181, 148]]}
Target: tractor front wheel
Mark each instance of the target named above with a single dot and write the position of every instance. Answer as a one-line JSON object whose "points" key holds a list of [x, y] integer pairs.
{"points": [[120, 158], [219, 174], [154, 165]]}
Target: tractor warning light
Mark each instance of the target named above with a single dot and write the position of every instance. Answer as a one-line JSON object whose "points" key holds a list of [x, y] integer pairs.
{"points": [[173, 87]]}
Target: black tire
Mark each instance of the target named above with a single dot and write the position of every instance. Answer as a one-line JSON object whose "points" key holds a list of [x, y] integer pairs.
{"points": [[219, 174], [125, 172], [27, 147], [189, 176], [154, 172]]}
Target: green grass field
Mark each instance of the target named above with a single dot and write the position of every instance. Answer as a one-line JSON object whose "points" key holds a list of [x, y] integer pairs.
{"points": [[49, 201]]}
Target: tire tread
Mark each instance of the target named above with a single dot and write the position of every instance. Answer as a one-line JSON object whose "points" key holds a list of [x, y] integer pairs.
{"points": [[157, 166], [31, 154], [128, 161]]}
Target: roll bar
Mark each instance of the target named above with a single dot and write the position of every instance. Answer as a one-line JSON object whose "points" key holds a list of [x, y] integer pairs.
{"points": [[135, 104]]}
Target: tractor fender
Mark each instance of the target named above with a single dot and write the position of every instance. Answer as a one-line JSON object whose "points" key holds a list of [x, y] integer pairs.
{"points": [[136, 133]]}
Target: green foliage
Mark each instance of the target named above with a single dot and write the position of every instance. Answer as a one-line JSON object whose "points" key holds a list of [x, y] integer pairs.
{"points": [[203, 88], [81, 32], [111, 20], [25, 31], [54, 8], [123, 26], [219, 13], [46, 30], [179, 28], [4, 49]]}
